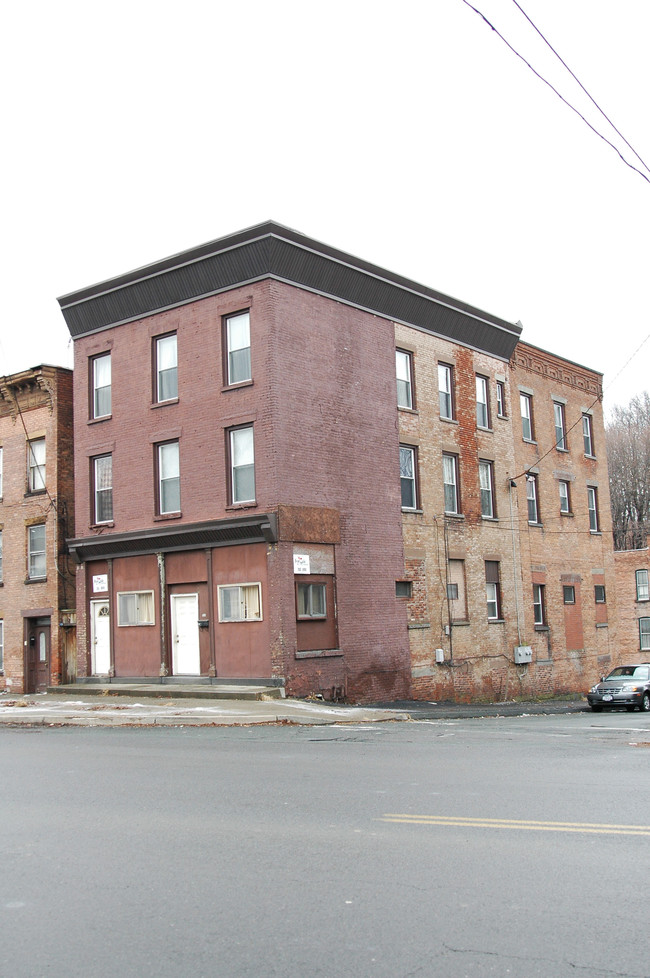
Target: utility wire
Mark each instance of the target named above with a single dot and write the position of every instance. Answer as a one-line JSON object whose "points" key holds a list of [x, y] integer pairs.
{"points": [[576, 79], [561, 97]]}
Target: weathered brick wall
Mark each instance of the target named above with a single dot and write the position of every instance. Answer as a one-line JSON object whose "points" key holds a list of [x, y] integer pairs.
{"points": [[627, 563], [44, 396], [322, 403], [576, 641]]}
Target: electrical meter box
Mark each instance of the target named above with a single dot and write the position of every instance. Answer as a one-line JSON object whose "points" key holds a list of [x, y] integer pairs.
{"points": [[523, 654]]}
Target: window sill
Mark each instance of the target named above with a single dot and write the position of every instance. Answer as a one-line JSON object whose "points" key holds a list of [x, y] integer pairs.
{"points": [[542, 628], [236, 506], [535, 523], [602, 624], [592, 458], [502, 417], [489, 519], [496, 621], [480, 427], [35, 492], [564, 451], [414, 625], [160, 404], [454, 516], [104, 417], [319, 654], [413, 512], [407, 410], [571, 515], [529, 441], [596, 533], [449, 420], [464, 623], [236, 387], [35, 580], [161, 517], [109, 524]]}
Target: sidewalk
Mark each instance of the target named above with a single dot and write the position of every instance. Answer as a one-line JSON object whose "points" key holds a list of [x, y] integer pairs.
{"points": [[171, 710]]}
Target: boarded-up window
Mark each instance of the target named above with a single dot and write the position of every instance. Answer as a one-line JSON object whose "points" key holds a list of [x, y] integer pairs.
{"points": [[456, 591]]}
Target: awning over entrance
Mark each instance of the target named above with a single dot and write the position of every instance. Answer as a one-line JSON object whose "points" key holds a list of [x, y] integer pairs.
{"points": [[261, 528]]}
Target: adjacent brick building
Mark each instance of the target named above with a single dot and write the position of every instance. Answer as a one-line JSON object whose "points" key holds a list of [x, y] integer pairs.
{"points": [[633, 594], [292, 465], [37, 583]]}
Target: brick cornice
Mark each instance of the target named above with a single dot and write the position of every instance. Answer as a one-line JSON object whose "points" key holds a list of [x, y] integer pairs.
{"points": [[536, 361]]}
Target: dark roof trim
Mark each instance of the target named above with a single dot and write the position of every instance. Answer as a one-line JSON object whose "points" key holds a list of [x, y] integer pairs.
{"points": [[273, 251], [261, 528]]}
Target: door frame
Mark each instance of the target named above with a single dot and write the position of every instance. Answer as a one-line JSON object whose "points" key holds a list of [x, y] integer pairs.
{"points": [[172, 620], [93, 663]]}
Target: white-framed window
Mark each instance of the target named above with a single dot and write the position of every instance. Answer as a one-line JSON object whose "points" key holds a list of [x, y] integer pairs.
{"points": [[135, 608], [312, 600], [560, 426], [166, 354], [482, 403], [36, 562], [531, 498], [486, 482], [446, 390], [238, 348], [407, 473], [587, 435], [599, 593], [0, 556], [450, 483], [36, 465], [404, 373], [642, 586], [644, 634], [240, 602], [2, 645], [103, 488], [403, 589], [493, 590], [501, 399], [592, 501], [539, 607], [526, 405], [169, 478], [242, 465], [565, 501], [100, 405], [0, 471]]}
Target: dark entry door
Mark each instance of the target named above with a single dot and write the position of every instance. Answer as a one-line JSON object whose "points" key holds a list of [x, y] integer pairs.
{"points": [[38, 655]]}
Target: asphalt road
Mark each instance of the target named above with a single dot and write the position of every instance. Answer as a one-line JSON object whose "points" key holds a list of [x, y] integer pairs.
{"points": [[513, 846]]}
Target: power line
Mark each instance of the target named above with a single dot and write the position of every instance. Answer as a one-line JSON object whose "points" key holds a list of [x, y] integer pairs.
{"points": [[577, 80], [561, 97]]}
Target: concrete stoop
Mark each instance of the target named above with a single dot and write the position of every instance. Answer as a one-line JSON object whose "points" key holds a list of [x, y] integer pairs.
{"points": [[222, 690]]}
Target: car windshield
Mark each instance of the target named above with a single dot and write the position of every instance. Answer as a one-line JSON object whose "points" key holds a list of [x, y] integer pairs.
{"points": [[629, 672]]}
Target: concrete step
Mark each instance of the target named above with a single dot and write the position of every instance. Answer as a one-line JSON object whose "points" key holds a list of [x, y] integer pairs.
{"points": [[222, 690]]}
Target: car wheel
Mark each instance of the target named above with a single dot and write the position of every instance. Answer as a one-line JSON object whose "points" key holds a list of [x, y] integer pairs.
{"points": [[645, 703], [596, 709]]}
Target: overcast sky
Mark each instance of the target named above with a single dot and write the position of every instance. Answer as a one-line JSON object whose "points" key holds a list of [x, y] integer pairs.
{"points": [[407, 134]]}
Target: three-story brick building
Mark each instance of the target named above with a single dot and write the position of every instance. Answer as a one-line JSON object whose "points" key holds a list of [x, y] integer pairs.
{"points": [[37, 584], [295, 466]]}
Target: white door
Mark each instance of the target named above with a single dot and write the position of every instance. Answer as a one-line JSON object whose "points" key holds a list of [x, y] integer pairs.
{"points": [[100, 631], [185, 635]]}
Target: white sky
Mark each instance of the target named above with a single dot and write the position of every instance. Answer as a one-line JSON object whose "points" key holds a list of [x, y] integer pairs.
{"points": [[407, 134]]}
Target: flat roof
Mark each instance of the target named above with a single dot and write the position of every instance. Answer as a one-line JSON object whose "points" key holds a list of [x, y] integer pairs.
{"points": [[270, 250]]}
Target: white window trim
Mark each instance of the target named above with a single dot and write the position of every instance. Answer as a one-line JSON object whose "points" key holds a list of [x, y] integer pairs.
{"points": [[135, 624], [227, 587]]}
